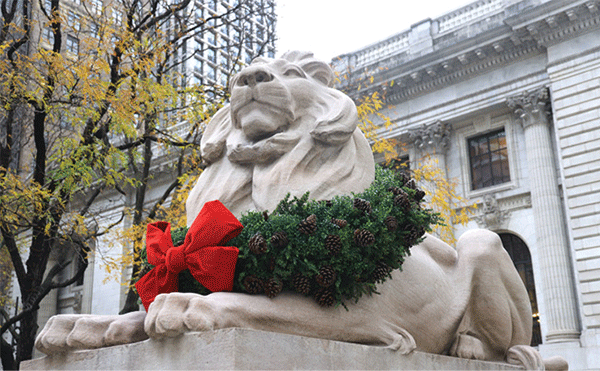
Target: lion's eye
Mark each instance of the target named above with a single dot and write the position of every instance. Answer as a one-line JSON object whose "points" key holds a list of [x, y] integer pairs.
{"points": [[294, 72]]}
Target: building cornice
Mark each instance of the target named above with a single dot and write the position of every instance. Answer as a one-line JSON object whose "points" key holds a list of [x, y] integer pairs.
{"points": [[520, 32]]}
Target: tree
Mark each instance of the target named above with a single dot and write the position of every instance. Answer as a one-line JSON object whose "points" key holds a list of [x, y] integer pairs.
{"points": [[91, 99]]}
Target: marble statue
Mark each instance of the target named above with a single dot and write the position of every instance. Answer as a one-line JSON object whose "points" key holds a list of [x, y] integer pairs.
{"points": [[287, 130]]}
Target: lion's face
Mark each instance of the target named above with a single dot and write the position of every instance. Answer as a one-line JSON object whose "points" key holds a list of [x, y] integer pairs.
{"points": [[267, 96]]}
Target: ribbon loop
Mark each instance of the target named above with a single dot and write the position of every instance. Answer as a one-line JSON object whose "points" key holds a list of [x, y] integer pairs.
{"points": [[210, 263]]}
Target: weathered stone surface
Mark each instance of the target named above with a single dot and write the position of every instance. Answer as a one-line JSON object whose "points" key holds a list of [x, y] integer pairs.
{"points": [[245, 349], [467, 301]]}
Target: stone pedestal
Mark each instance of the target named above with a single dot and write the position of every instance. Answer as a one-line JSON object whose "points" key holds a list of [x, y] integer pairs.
{"points": [[244, 349]]}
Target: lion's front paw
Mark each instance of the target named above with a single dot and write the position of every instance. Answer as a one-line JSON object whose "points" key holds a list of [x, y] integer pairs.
{"points": [[64, 333], [467, 346], [173, 314]]}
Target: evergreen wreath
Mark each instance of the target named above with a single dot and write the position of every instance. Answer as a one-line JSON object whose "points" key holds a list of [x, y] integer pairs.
{"points": [[333, 250]]}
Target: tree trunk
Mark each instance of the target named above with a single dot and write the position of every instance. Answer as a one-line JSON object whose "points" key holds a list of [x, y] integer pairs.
{"points": [[6, 353], [29, 327]]}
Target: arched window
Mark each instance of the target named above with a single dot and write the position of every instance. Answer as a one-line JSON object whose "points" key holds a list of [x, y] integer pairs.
{"points": [[519, 253]]}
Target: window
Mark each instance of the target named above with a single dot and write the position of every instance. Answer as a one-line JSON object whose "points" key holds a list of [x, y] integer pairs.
{"points": [[400, 164], [95, 30], [211, 55], [74, 21], [519, 253], [117, 17], [97, 6], [48, 6], [211, 74], [72, 44], [488, 157], [48, 35]]}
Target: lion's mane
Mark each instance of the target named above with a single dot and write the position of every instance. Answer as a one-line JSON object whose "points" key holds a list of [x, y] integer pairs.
{"points": [[311, 143]]}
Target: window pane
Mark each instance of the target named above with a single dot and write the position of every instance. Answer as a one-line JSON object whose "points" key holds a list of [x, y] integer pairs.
{"points": [[488, 157]]}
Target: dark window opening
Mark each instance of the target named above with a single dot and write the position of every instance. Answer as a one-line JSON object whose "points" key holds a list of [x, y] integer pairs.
{"points": [[519, 253], [488, 157]]}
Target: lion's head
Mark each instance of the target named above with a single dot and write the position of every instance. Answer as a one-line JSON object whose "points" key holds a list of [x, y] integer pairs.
{"points": [[286, 130]]}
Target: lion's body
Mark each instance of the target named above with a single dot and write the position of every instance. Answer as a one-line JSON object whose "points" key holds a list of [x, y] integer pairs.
{"points": [[468, 302]]}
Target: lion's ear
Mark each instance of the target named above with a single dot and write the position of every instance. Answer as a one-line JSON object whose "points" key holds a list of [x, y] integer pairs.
{"points": [[339, 120], [320, 71], [215, 136]]}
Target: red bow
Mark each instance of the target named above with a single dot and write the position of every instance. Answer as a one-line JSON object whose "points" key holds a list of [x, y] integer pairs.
{"points": [[210, 263]]}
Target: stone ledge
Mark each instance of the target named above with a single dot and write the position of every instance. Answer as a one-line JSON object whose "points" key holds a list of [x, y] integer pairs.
{"points": [[245, 349]]}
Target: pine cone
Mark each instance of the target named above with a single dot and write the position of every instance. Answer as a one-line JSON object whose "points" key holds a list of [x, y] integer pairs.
{"points": [[326, 276], [257, 244], [339, 222], [301, 284], [324, 296], [419, 195], [411, 184], [413, 234], [402, 200], [308, 225], [363, 205], [279, 240], [391, 223], [265, 215], [328, 203], [253, 284], [381, 272], [395, 190], [333, 243], [363, 238], [403, 176], [273, 287]]}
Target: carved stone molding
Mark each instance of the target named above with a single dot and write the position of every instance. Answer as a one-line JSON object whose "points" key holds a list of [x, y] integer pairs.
{"points": [[431, 138], [492, 216], [531, 107]]}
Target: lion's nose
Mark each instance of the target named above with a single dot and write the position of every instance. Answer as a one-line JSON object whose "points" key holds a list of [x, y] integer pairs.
{"points": [[253, 76]]}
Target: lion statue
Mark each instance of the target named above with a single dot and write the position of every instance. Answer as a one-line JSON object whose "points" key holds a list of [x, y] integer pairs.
{"points": [[286, 130]]}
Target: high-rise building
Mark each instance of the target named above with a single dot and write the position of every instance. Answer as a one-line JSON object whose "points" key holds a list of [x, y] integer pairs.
{"points": [[504, 97], [229, 42]]}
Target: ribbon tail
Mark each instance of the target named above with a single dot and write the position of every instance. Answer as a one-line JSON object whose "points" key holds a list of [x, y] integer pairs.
{"points": [[158, 281], [214, 267]]}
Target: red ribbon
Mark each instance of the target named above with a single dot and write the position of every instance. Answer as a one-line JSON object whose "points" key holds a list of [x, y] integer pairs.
{"points": [[210, 263]]}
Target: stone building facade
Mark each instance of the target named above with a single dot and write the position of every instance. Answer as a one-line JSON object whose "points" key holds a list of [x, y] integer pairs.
{"points": [[505, 95]]}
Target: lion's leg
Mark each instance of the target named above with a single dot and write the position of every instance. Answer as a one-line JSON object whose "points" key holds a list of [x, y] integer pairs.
{"points": [[176, 313], [498, 314], [70, 332]]}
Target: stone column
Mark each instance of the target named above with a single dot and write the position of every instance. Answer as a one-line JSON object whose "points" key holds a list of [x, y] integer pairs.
{"points": [[432, 141], [553, 249]]}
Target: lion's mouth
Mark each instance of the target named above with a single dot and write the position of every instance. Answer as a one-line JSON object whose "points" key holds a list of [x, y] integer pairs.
{"points": [[261, 116]]}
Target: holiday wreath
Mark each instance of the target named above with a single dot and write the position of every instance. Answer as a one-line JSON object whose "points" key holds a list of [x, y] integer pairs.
{"points": [[332, 250]]}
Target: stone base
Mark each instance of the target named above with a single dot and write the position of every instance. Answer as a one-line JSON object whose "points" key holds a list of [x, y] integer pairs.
{"points": [[244, 349]]}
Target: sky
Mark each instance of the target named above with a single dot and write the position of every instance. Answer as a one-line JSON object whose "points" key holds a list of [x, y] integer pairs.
{"points": [[329, 28]]}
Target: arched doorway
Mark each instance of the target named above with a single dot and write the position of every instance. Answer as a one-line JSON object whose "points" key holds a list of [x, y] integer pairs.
{"points": [[519, 253]]}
